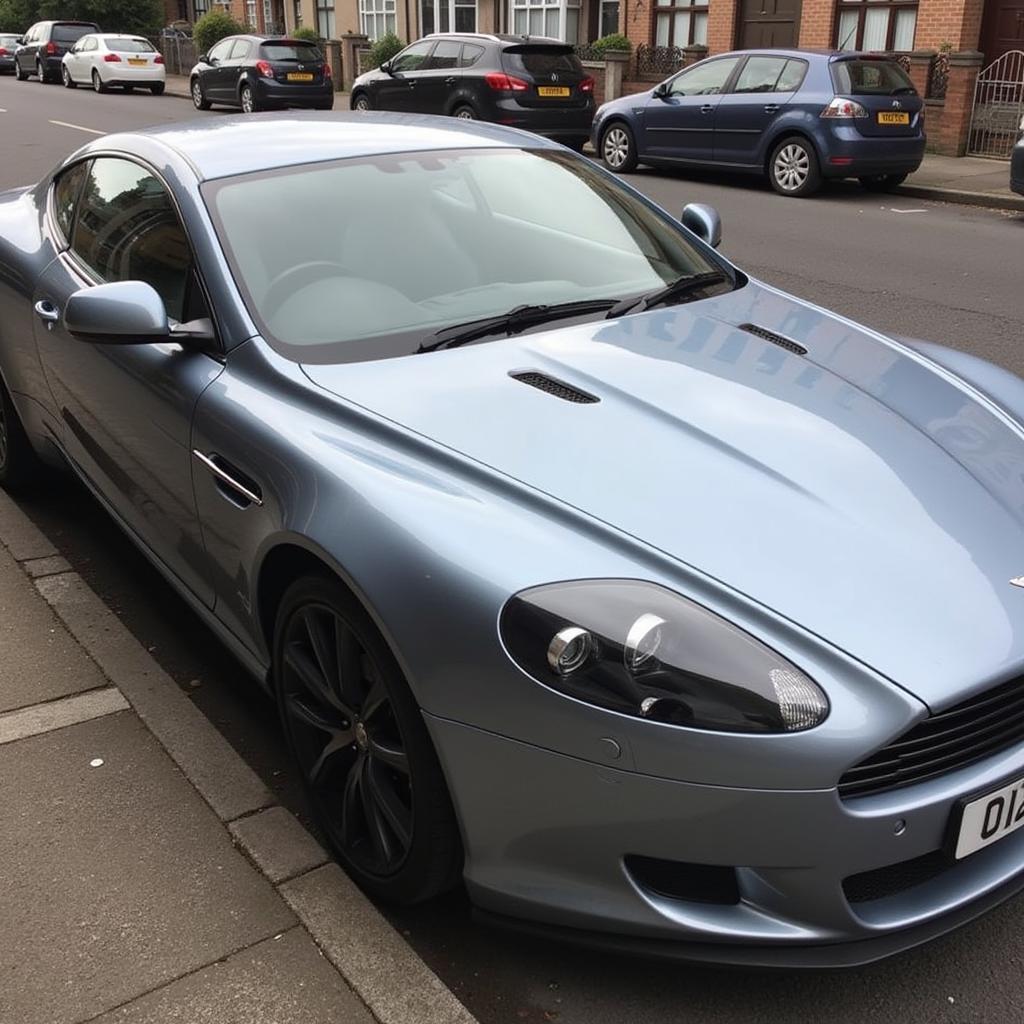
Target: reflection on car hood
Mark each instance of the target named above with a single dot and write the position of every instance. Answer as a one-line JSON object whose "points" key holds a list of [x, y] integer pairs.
{"points": [[856, 490]]}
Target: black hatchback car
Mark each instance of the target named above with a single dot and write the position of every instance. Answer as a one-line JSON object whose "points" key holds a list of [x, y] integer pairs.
{"points": [[44, 45], [262, 73], [523, 81], [1017, 163]]}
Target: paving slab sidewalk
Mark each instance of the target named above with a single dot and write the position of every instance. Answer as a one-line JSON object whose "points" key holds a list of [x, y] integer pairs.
{"points": [[972, 181], [147, 876]]}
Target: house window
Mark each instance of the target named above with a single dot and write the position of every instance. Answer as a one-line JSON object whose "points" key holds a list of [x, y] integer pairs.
{"points": [[447, 16], [200, 7], [325, 18], [609, 17], [876, 25], [681, 23], [557, 19], [268, 17], [250, 13], [297, 11], [377, 17]]}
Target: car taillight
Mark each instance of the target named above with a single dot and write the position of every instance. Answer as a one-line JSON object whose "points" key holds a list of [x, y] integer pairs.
{"points": [[327, 71], [843, 108], [112, 58], [158, 59], [3, 52], [587, 85], [501, 82], [50, 48], [264, 69]]}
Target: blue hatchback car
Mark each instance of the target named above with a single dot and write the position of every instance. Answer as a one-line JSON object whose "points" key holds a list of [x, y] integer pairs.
{"points": [[799, 116]]}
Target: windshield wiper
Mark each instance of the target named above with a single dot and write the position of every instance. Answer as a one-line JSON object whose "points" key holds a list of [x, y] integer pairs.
{"points": [[512, 322], [678, 289]]}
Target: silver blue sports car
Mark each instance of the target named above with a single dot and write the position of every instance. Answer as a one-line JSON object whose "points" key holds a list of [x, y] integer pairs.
{"points": [[667, 611]]}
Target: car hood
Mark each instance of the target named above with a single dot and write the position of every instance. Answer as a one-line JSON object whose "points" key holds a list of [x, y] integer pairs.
{"points": [[857, 489]]}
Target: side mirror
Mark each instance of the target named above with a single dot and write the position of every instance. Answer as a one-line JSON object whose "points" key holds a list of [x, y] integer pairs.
{"points": [[660, 90], [203, 58], [386, 68], [704, 221], [122, 313]]}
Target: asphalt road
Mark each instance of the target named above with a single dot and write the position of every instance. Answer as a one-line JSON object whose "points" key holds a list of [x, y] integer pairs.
{"points": [[948, 273]]}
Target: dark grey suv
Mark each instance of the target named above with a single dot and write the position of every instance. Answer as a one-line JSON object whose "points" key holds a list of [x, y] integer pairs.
{"points": [[44, 46], [531, 83]]}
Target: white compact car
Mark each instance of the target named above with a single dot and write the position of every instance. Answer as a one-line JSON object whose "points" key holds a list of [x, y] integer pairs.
{"points": [[103, 60]]}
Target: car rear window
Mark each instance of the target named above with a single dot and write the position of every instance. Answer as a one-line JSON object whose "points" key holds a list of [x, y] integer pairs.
{"points": [[303, 53], [125, 44], [541, 61], [870, 78], [71, 33]]}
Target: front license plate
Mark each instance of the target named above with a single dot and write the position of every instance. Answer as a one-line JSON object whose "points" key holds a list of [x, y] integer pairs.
{"points": [[552, 90], [138, 62], [893, 117], [989, 818], [299, 76]]}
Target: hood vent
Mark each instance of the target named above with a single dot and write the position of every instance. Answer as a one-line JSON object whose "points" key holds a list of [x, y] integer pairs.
{"points": [[775, 339], [558, 388]]}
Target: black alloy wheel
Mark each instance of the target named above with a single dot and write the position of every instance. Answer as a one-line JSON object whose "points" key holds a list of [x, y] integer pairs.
{"points": [[247, 99], [359, 739], [40, 74], [464, 113], [362, 102], [19, 73]]}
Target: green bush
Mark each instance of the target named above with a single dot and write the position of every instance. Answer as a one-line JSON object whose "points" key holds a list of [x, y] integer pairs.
{"points": [[213, 27], [616, 41], [307, 33], [384, 49]]}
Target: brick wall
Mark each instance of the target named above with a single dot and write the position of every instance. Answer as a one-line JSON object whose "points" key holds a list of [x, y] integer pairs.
{"points": [[957, 22], [637, 20], [721, 25], [817, 25]]}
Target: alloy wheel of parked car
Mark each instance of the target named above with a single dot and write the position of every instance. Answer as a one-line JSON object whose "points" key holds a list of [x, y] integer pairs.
{"points": [[882, 182], [793, 169], [464, 113], [198, 99], [19, 74], [97, 83], [618, 149], [366, 758], [69, 82], [40, 74], [19, 464], [247, 99], [362, 102]]}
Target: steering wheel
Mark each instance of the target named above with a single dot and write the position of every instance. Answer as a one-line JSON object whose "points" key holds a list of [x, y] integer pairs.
{"points": [[299, 276]]}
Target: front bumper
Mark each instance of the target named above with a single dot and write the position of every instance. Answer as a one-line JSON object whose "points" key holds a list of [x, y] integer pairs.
{"points": [[845, 153], [281, 94], [820, 881]]}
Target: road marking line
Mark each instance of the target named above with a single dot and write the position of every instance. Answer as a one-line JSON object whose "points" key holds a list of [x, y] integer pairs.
{"points": [[40, 718], [77, 127], [3, 110], [892, 209]]}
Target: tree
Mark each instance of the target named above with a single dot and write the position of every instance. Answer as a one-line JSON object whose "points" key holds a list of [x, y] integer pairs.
{"points": [[137, 16], [212, 27]]}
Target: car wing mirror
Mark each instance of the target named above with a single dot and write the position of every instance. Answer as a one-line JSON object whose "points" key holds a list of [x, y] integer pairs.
{"points": [[660, 91], [704, 221], [203, 58], [386, 68], [194, 332], [121, 313]]}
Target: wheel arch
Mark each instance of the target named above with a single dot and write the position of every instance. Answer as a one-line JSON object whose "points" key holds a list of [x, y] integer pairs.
{"points": [[789, 132]]}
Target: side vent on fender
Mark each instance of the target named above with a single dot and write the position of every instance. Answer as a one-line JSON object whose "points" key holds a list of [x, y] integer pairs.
{"points": [[558, 388], [775, 339]]}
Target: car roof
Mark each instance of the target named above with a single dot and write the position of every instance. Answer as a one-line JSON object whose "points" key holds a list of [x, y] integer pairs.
{"points": [[490, 37], [808, 51], [219, 147]]}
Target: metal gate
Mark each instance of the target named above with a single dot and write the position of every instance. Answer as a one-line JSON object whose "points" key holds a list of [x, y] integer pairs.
{"points": [[998, 107]]}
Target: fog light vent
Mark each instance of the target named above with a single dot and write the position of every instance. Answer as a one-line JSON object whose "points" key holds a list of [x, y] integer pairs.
{"points": [[677, 880]]}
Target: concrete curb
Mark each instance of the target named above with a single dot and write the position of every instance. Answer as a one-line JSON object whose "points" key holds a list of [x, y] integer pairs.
{"points": [[954, 195], [381, 968]]}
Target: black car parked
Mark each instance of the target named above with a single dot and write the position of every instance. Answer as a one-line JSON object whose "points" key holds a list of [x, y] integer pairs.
{"points": [[1017, 163], [8, 44], [532, 83], [44, 46], [262, 73]]}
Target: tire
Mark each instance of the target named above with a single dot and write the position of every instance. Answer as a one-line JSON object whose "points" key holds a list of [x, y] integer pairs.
{"points": [[69, 82], [157, 88], [793, 168], [19, 464], [464, 112], [40, 73], [97, 83], [199, 101], [128, 88], [618, 148], [882, 182], [358, 737], [361, 102], [19, 74], [247, 99]]}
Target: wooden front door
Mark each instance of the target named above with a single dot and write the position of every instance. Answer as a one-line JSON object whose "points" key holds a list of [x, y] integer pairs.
{"points": [[1002, 28], [765, 23]]}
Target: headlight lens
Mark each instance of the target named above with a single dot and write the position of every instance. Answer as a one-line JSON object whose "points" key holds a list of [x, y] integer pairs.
{"points": [[641, 650]]}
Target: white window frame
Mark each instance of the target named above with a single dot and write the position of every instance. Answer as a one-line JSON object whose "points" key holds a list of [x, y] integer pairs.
{"points": [[377, 18], [557, 19], [325, 18], [444, 15]]}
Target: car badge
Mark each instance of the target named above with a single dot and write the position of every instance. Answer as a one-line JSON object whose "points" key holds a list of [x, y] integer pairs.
{"points": [[554, 77], [896, 104], [302, 67], [1018, 581]]}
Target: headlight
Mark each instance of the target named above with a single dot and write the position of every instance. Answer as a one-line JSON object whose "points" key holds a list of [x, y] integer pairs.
{"points": [[641, 650]]}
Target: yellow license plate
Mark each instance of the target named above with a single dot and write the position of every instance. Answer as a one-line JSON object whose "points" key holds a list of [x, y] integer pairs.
{"points": [[299, 76], [893, 117], [552, 90], [138, 61]]}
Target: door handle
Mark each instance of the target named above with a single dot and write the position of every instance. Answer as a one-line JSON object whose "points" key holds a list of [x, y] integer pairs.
{"points": [[248, 492], [47, 311], [707, 108], [771, 108], [450, 81]]}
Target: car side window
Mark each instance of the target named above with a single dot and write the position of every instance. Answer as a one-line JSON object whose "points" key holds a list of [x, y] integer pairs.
{"points": [[792, 76], [66, 190], [240, 50], [220, 51], [760, 74], [470, 54], [127, 229], [445, 55], [412, 57], [92, 43], [707, 79]]}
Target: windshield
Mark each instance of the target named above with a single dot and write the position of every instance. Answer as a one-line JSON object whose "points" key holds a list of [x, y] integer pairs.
{"points": [[361, 258], [870, 78], [290, 51], [542, 61], [126, 44], [71, 33]]}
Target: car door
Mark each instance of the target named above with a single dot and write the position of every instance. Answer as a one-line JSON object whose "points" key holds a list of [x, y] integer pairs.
{"points": [[124, 411], [397, 90], [81, 59], [760, 92], [239, 56], [215, 76], [25, 55], [439, 78], [679, 119]]}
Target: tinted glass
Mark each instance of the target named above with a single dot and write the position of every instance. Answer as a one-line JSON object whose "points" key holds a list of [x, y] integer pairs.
{"points": [[870, 78], [446, 55], [760, 74], [470, 54], [407, 244], [64, 33], [792, 77], [412, 58], [541, 61], [65, 193], [125, 44], [221, 50], [298, 52], [128, 230], [704, 80]]}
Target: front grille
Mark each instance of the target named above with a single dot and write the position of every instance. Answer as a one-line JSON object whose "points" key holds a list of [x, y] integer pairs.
{"points": [[895, 878], [977, 728], [555, 387]]}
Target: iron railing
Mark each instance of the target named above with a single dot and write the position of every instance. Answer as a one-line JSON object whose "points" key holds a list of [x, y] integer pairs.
{"points": [[659, 60], [179, 52], [998, 107]]}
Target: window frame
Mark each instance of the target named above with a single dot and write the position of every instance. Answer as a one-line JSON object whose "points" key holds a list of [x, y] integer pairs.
{"points": [[669, 12], [861, 7], [786, 60], [375, 13], [730, 79]]}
